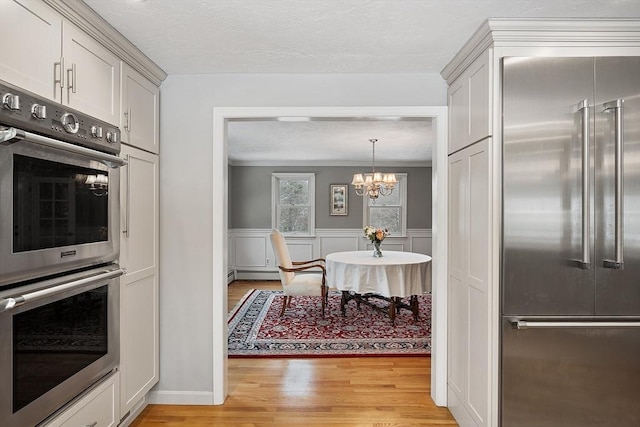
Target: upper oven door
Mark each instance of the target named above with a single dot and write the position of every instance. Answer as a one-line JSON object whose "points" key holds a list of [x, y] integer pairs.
{"points": [[59, 207]]}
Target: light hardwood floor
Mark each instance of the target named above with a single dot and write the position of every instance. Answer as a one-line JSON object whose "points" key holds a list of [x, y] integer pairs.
{"points": [[348, 391]]}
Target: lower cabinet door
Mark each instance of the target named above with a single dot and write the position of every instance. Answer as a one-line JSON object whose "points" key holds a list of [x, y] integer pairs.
{"points": [[470, 392], [98, 408], [139, 287], [139, 335]]}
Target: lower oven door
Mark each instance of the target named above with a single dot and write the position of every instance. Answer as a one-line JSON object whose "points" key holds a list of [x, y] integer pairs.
{"points": [[60, 206], [56, 339]]}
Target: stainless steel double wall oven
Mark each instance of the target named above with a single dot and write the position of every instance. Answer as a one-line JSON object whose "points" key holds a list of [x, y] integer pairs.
{"points": [[59, 245]]}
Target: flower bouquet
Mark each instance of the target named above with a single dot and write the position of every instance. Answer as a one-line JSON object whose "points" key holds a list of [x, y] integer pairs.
{"points": [[376, 235]]}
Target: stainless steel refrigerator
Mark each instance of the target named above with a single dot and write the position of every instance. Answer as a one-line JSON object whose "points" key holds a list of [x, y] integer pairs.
{"points": [[570, 286]]}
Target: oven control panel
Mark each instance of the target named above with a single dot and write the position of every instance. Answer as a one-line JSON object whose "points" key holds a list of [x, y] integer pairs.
{"points": [[32, 113]]}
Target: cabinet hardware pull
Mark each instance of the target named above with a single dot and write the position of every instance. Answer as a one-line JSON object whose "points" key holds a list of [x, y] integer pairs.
{"points": [[55, 67], [71, 84], [127, 115], [617, 106], [93, 424], [127, 199]]}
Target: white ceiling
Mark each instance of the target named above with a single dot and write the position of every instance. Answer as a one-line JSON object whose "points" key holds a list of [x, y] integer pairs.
{"points": [[322, 36], [331, 142]]}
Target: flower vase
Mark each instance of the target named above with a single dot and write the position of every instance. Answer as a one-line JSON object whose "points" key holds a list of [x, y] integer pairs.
{"points": [[376, 251]]}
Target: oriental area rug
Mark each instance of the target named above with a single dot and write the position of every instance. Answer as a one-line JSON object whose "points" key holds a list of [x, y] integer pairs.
{"points": [[257, 330]]}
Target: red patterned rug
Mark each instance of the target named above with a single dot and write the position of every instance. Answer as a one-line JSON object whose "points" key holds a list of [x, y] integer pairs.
{"points": [[257, 330]]}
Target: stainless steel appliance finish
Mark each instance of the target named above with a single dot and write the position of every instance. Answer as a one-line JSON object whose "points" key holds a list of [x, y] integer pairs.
{"points": [[24, 110], [59, 189], [570, 343], [58, 338]]}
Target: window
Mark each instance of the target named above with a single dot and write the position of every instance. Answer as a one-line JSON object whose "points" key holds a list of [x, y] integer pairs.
{"points": [[389, 211], [293, 203]]}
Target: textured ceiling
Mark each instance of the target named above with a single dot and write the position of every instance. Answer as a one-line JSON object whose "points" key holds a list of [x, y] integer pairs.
{"points": [[323, 36], [332, 142]]}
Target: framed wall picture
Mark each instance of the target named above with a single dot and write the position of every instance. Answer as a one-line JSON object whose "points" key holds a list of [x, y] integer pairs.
{"points": [[339, 195]]}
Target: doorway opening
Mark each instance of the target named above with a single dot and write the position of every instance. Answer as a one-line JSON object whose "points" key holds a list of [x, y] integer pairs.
{"points": [[438, 115]]}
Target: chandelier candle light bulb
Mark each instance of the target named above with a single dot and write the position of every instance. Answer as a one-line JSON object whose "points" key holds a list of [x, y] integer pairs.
{"points": [[374, 184]]}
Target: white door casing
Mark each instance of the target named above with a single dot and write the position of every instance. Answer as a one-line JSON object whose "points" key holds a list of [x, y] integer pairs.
{"points": [[220, 196]]}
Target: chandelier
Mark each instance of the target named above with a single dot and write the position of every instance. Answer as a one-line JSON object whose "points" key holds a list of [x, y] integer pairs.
{"points": [[98, 184], [374, 184]]}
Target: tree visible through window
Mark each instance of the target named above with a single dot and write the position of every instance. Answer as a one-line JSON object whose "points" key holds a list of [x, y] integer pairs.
{"points": [[293, 196], [389, 211]]}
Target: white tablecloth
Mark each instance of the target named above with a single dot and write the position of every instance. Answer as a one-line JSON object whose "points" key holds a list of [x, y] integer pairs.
{"points": [[395, 274]]}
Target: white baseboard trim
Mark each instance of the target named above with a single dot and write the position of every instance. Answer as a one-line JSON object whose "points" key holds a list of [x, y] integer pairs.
{"points": [[165, 397], [257, 275]]}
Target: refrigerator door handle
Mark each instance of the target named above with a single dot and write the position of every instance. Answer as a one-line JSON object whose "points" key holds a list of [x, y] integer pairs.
{"points": [[585, 261], [617, 107], [526, 324]]}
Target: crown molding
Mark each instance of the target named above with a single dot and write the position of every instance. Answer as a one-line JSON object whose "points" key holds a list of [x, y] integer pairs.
{"points": [[81, 15], [500, 32]]}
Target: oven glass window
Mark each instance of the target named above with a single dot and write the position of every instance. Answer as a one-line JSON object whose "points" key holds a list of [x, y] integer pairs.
{"points": [[55, 341], [57, 204]]}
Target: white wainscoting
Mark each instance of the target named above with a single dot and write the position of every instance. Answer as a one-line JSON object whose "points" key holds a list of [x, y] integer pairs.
{"points": [[251, 255]]}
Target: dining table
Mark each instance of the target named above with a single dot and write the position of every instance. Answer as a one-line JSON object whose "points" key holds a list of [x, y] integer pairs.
{"points": [[393, 277]]}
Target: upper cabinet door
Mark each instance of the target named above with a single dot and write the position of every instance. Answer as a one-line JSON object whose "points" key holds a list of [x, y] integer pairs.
{"points": [[458, 114], [92, 75], [480, 108], [140, 111], [139, 203], [30, 46], [470, 106]]}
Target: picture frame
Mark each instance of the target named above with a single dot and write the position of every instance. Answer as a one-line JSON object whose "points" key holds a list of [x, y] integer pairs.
{"points": [[338, 201]]}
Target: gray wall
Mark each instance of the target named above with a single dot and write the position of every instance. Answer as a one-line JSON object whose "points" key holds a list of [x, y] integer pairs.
{"points": [[186, 193], [250, 195]]}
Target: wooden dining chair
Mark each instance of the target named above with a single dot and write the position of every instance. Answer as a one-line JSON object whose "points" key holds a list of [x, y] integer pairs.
{"points": [[293, 281]]}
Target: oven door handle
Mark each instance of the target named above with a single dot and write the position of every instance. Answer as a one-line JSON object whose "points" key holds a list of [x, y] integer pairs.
{"points": [[10, 303], [11, 135]]}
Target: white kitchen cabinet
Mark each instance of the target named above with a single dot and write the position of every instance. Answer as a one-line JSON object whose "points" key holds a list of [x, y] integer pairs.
{"points": [[140, 111], [33, 27], [458, 95], [139, 287], [91, 76], [470, 104], [99, 407], [63, 63], [469, 298]]}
